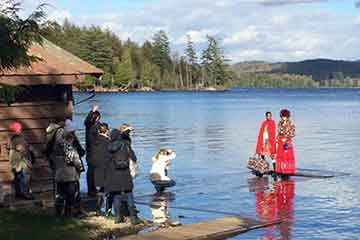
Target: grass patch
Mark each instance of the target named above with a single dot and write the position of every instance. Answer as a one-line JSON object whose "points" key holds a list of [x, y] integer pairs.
{"points": [[35, 225], [21, 224]]}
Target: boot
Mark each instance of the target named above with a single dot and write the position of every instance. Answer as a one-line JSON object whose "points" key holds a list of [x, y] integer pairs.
{"points": [[108, 205], [135, 220], [59, 206], [132, 210], [119, 216], [68, 212], [99, 204]]}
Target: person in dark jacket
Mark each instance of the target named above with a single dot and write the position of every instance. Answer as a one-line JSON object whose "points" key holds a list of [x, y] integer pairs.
{"points": [[21, 160], [100, 147], [118, 181], [92, 123], [67, 165]]}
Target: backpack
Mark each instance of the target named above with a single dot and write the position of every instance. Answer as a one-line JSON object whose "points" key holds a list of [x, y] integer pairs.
{"points": [[121, 156]]}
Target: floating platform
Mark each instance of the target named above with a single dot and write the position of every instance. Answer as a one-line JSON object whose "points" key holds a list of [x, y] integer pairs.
{"points": [[312, 173], [212, 230]]}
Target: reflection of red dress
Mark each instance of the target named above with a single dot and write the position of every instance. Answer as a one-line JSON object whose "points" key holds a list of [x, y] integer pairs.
{"points": [[266, 139], [266, 209], [285, 192], [285, 158], [277, 205]]}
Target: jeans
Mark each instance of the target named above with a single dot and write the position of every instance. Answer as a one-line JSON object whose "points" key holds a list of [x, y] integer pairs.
{"points": [[90, 179], [124, 204], [21, 183], [161, 185]]}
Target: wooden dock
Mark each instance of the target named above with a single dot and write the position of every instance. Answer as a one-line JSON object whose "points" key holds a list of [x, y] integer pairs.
{"points": [[212, 230]]}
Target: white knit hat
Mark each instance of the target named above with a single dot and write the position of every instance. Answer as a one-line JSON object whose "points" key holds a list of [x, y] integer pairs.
{"points": [[69, 126]]}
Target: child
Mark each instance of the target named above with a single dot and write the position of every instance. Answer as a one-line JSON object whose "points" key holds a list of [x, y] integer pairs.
{"points": [[159, 171], [21, 161]]}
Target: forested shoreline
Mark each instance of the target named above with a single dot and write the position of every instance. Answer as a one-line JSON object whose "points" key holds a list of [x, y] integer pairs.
{"points": [[151, 65]]}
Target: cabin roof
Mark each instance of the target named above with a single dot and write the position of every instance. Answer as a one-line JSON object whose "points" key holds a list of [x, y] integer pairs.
{"points": [[56, 64]]}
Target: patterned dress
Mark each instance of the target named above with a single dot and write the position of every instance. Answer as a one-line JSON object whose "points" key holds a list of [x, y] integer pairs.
{"points": [[285, 157]]}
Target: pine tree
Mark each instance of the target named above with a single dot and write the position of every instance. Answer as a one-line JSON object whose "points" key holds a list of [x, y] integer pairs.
{"points": [[17, 35], [213, 62], [150, 74], [124, 73], [96, 48], [191, 60], [161, 53]]}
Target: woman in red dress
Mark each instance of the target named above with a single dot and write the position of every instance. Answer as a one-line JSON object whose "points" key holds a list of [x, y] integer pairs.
{"points": [[266, 139], [285, 158]]}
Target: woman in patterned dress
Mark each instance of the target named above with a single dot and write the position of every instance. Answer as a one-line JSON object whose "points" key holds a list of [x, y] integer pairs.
{"points": [[285, 157]]}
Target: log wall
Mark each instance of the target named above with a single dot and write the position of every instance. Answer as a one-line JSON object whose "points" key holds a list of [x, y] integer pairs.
{"points": [[35, 117]]}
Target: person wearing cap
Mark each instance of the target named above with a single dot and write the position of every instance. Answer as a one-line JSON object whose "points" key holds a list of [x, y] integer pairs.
{"points": [[91, 123], [21, 160], [285, 158], [118, 181]]}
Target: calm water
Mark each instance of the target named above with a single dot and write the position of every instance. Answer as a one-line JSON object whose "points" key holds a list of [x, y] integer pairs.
{"points": [[215, 133]]}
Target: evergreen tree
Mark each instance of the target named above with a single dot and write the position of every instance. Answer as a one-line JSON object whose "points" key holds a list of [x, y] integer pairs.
{"points": [[17, 35], [96, 48], [150, 74], [191, 59], [213, 62], [161, 53], [124, 74]]}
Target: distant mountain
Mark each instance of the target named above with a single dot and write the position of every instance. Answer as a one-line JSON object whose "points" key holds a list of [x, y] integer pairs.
{"points": [[319, 69]]}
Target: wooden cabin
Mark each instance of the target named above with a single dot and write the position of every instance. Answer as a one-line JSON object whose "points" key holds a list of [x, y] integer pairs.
{"points": [[47, 93]]}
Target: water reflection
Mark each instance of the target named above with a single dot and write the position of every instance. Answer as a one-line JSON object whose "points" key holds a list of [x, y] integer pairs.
{"points": [[160, 206], [274, 201]]}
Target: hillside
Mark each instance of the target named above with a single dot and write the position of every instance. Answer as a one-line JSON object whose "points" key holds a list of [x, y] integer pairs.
{"points": [[319, 69]]}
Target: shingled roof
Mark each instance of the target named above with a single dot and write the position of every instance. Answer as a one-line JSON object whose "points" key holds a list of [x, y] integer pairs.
{"points": [[56, 66]]}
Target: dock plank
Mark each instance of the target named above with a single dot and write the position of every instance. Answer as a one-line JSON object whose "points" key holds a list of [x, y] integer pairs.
{"points": [[217, 229]]}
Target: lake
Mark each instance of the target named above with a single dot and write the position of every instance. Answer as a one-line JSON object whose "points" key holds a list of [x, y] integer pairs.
{"points": [[214, 133]]}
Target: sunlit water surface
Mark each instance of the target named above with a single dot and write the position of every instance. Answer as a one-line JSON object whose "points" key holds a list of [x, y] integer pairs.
{"points": [[214, 133]]}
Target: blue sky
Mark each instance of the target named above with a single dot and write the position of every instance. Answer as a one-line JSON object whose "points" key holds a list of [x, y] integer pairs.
{"points": [[270, 30]]}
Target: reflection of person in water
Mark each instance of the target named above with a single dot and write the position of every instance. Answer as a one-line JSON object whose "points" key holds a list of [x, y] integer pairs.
{"points": [[276, 204], [160, 210], [285, 192]]}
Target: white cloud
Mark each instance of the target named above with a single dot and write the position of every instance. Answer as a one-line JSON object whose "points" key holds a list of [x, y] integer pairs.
{"points": [[246, 35], [357, 19], [280, 19], [246, 55], [271, 30], [196, 36], [59, 15]]}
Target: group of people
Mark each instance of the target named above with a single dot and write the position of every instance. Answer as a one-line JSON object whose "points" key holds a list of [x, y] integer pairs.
{"points": [[111, 166], [276, 143], [111, 162]]}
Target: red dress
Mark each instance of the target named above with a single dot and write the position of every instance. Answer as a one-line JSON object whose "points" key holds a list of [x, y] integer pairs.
{"points": [[285, 157], [266, 139]]}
